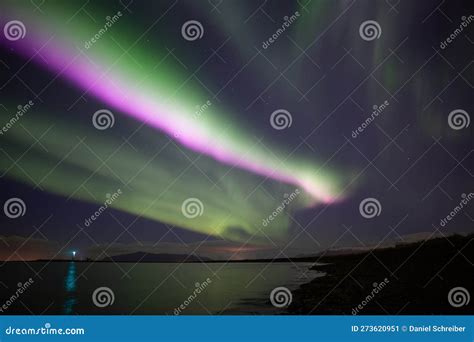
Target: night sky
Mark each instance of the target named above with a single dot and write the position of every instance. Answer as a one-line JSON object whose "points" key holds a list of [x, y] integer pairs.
{"points": [[256, 132]]}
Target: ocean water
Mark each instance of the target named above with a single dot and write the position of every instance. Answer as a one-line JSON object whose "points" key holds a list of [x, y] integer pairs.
{"points": [[147, 288]]}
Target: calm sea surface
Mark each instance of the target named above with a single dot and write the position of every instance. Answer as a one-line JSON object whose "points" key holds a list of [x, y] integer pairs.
{"points": [[148, 289]]}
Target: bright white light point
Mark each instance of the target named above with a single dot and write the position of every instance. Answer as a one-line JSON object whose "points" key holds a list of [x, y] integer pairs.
{"points": [[73, 253]]}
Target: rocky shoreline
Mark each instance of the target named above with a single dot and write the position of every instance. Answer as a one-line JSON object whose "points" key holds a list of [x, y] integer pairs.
{"points": [[409, 279]]}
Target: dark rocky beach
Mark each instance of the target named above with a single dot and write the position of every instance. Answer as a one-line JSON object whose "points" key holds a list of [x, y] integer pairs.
{"points": [[408, 279]]}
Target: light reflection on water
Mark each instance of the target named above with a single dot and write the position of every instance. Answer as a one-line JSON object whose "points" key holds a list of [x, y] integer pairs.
{"points": [[236, 288], [70, 288]]}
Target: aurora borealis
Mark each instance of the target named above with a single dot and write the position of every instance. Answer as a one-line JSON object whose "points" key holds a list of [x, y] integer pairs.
{"points": [[192, 118], [152, 101]]}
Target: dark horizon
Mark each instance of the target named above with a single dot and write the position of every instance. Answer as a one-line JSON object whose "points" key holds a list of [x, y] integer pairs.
{"points": [[194, 258]]}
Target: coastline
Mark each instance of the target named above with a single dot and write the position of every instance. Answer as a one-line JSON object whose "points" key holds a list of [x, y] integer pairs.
{"points": [[416, 280]]}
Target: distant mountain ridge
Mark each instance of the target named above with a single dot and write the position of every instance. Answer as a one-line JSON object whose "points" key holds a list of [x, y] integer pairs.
{"points": [[150, 257], [399, 242]]}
